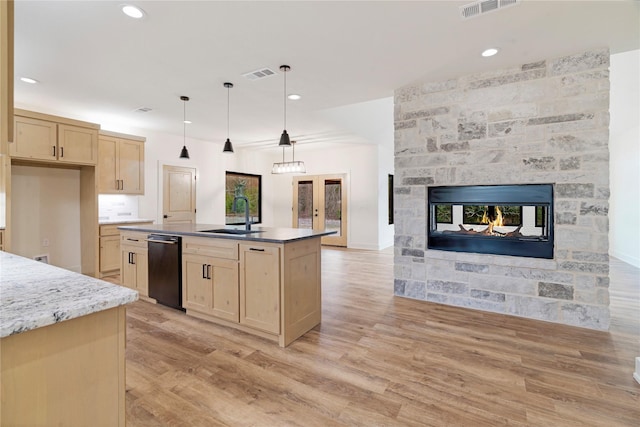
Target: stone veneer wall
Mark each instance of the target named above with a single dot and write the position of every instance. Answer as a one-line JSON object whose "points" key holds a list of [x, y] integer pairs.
{"points": [[542, 122]]}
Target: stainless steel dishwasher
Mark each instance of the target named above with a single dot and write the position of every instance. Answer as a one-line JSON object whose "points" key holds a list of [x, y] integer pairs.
{"points": [[165, 269]]}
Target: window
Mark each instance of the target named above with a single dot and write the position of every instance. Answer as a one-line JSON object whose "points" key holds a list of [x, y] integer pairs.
{"points": [[243, 185]]}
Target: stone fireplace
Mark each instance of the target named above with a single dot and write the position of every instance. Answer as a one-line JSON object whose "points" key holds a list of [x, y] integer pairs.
{"points": [[543, 123]]}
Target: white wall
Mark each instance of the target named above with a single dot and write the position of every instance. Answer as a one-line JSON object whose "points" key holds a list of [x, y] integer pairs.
{"points": [[624, 147], [45, 205], [358, 161]]}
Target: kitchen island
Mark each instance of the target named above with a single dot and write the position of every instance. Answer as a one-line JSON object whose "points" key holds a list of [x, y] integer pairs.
{"points": [[266, 282], [62, 339]]}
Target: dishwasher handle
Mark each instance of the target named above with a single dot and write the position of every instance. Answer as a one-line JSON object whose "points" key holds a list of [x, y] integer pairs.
{"points": [[165, 240]]}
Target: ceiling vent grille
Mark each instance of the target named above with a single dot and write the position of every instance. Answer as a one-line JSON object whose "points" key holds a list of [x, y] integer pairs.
{"points": [[484, 6], [142, 110], [259, 74]]}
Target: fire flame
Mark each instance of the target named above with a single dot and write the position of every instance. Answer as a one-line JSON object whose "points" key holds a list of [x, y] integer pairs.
{"points": [[498, 220]]}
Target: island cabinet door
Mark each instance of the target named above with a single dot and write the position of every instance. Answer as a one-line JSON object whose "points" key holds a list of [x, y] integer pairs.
{"points": [[260, 287], [210, 285], [196, 286], [135, 269]]}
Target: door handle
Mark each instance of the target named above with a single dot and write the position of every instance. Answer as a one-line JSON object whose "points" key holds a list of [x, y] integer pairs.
{"points": [[133, 260], [204, 269], [54, 151], [61, 151], [165, 216], [130, 258], [208, 271], [256, 249]]}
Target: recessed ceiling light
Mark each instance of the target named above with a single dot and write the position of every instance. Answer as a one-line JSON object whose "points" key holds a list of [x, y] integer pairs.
{"points": [[294, 97], [490, 52], [132, 11], [28, 80], [188, 122]]}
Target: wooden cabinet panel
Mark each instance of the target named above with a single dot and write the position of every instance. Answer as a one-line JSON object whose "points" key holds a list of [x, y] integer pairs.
{"points": [[121, 166], [260, 287], [134, 264], [131, 167], [196, 287], [34, 139], [37, 139], [210, 286], [107, 165], [77, 145], [109, 253]]}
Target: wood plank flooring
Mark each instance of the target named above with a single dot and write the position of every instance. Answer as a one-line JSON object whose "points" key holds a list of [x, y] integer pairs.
{"points": [[379, 360]]}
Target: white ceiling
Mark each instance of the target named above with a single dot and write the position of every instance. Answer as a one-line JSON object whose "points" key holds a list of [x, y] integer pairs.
{"points": [[347, 57]]}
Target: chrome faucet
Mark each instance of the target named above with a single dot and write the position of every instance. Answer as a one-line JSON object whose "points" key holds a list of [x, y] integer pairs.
{"points": [[247, 223]]}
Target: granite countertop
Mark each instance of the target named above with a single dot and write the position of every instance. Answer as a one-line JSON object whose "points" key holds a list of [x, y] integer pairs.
{"points": [[262, 234], [123, 221], [34, 294]]}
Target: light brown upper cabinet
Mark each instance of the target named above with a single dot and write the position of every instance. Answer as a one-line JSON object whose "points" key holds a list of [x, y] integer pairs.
{"points": [[43, 138], [120, 164]]}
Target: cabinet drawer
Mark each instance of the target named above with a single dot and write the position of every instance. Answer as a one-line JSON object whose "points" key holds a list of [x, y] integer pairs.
{"points": [[109, 230], [133, 239], [217, 248]]}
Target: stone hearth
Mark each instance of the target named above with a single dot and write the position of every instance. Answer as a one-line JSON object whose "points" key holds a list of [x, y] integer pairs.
{"points": [[541, 122]]}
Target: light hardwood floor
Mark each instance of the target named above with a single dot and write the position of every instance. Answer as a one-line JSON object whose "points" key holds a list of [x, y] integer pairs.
{"points": [[380, 360]]}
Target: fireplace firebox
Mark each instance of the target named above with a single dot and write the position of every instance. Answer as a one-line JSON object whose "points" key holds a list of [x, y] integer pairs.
{"points": [[512, 220]]}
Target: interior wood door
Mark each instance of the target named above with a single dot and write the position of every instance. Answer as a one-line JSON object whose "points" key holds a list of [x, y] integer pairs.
{"points": [[179, 195], [320, 203]]}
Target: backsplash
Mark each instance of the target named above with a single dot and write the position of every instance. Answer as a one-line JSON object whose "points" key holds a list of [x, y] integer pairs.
{"points": [[112, 207]]}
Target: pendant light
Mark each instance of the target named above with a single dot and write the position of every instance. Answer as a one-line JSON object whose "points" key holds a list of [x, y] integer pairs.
{"points": [[284, 138], [228, 148], [184, 154], [289, 167]]}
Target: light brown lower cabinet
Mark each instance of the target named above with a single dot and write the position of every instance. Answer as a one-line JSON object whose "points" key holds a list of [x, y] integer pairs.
{"points": [[260, 287], [134, 268], [110, 253], [211, 286], [268, 289], [71, 373]]}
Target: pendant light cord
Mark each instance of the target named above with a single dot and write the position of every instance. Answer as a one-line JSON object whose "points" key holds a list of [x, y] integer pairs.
{"points": [[285, 98], [184, 123], [228, 89]]}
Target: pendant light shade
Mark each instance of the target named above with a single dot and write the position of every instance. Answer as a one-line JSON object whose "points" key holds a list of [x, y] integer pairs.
{"points": [[228, 147], [184, 153], [284, 138]]}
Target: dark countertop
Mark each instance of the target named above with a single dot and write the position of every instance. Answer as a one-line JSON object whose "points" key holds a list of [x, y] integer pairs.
{"points": [[264, 234], [123, 221]]}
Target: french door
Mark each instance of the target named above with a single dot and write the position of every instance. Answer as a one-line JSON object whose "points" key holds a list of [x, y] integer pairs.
{"points": [[320, 203]]}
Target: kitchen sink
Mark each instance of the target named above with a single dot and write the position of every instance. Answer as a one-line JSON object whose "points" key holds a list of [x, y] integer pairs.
{"points": [[230, 231]]}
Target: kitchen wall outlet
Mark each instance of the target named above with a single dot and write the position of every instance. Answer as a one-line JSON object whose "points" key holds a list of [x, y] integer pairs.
{"points": [[42, 258], [45, 242]]}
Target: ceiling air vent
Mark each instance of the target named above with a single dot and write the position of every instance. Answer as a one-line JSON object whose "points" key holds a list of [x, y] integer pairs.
{"points": [[142, 110], [484, 6], [259, 74]]}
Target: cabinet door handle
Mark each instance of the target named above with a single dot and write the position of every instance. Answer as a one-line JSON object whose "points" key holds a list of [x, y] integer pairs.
{"points": [[256, 249], [61, 151], [208, 271], [130, 258], [132, 240], [204, 269], [133, 260], [54, 151]]}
